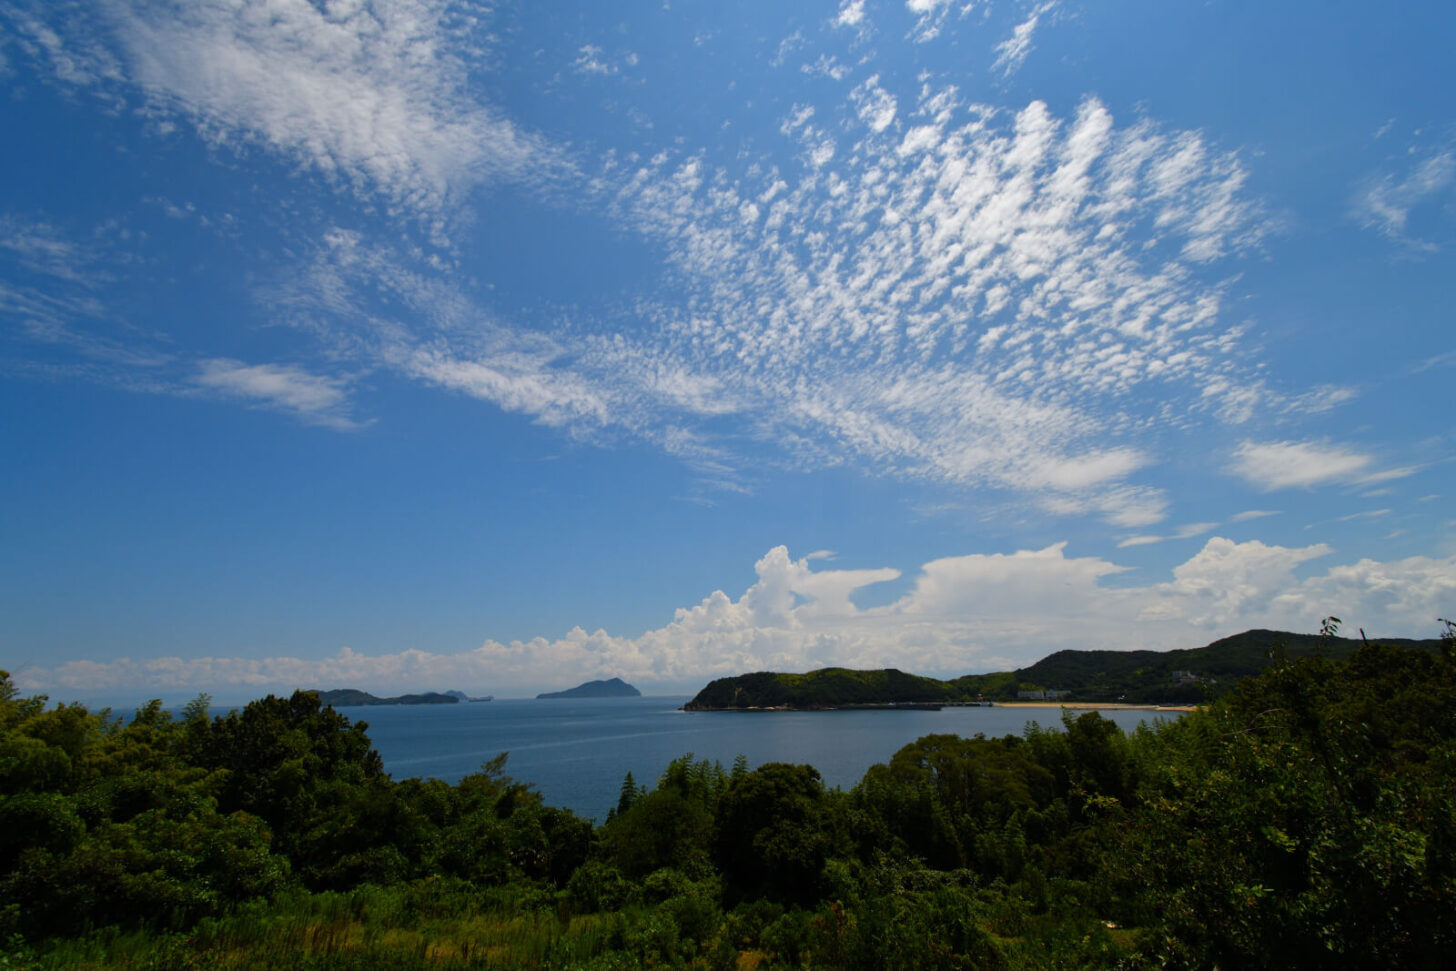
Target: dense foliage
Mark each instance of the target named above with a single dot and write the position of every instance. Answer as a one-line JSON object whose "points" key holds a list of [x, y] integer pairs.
{"points": [[1143, 677], [825, 688], [1309, 818]]}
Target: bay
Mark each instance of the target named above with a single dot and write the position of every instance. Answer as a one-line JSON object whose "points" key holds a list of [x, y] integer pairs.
{"points": [[575, 752]]}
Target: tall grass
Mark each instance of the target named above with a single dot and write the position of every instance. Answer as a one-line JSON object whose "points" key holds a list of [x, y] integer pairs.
{"points": [[419, 926]]}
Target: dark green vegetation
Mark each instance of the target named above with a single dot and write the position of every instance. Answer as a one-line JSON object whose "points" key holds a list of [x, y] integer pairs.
{"points": [[825, 688], [1135, 677], [345, 697], [1308, 818], [613, 688]]}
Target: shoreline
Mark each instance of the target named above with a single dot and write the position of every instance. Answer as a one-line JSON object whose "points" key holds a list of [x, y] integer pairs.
{"points": [[937, 706], [1094, 706]]}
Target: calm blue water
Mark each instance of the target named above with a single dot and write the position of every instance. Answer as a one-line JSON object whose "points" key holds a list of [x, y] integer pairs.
{"points": [[576, 752]]}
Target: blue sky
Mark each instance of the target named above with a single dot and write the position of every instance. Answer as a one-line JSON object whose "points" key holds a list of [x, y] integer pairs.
{"points": [[501, 345]]}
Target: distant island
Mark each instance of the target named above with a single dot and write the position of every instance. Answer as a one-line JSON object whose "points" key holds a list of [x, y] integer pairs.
{"points": [[614, 688], [1179, 677], [346, 697], [462, 696]]}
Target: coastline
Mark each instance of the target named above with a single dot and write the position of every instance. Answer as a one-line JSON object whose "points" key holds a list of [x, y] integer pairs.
{"points": [[936, 706], [1094, 706]]}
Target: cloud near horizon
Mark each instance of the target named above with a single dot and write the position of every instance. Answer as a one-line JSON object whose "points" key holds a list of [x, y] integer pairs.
{"points": [[976, 612]]}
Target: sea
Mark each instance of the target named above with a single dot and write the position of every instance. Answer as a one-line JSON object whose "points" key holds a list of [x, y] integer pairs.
{"points": [[576, 752]]}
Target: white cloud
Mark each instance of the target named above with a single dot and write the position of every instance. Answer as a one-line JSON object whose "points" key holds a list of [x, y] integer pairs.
{"points": [[929, 288], [1248, 514], [964, 613], [964, 300], [826, 66], [1186, 531], [1284, 465], [56, 285], [515, 382], [875, 105], [1386, 201], [930, 17], [1012, 52], [1227, 580], [369, 97], [40, 248], [851, 14], [590, 60], [314, 399]]}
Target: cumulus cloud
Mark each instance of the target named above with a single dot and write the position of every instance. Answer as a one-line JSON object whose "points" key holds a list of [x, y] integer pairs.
{"points": [[964, 613]]}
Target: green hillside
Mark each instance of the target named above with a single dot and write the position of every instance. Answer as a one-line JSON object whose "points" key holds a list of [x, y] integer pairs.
{"points": [[825, 688], [1147, 676], [1136, 677]]}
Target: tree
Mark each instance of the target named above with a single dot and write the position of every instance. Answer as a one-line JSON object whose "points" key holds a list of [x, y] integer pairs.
{"points": [[774, 833]]}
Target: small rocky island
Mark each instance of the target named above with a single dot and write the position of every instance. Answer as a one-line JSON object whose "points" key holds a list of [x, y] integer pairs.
{"points": [[613, 688]]}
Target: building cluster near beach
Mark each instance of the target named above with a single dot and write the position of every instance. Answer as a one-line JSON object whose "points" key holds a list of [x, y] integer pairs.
{"points": [[1039, 694]]}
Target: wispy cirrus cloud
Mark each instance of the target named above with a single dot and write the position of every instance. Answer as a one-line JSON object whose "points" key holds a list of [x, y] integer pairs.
{"points": [[1385, 202], [55, 285], [1013, 51], [974, 612], [370, 97], [1287, 465], [313, 398], [1186, 531], [591, 59], [926, 286], [958, 294], [930, 18]]}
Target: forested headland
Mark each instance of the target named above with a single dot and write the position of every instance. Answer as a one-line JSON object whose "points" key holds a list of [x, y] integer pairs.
{"points": [[1176, 677], [1306, 818]]}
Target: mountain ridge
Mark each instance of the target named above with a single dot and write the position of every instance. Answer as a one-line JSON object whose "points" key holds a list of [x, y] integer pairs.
{"points": [[1179, 676]]}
